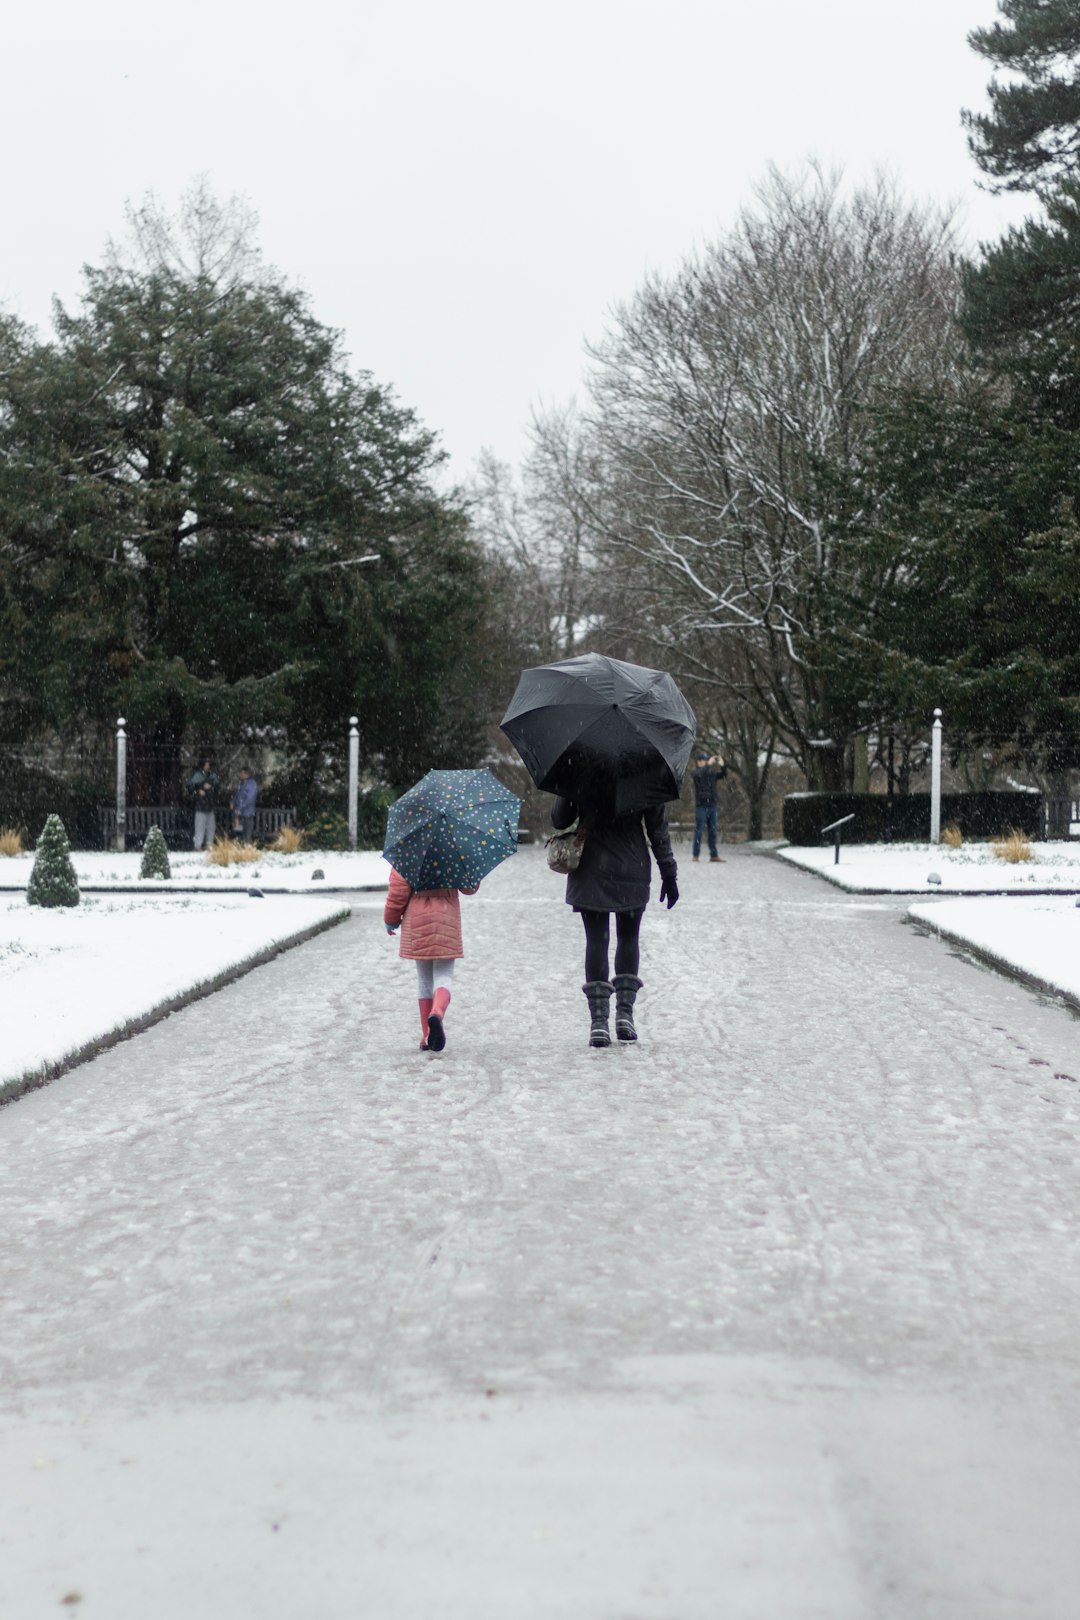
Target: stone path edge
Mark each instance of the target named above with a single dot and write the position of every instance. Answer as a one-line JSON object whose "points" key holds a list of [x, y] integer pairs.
{"points": [[999, 964], [927, 894], [12, 1090]]}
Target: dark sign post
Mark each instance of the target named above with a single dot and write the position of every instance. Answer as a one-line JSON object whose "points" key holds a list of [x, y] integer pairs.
{"points": [[834, 828]]}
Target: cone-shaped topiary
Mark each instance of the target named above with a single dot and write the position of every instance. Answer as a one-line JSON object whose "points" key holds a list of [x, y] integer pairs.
{"points": [[53, 881], [155, 856]]}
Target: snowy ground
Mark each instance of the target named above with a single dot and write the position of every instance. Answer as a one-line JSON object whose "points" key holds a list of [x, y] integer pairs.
{"points": [[274, 874], [972, 869], [74, 977], [773, 1317]]}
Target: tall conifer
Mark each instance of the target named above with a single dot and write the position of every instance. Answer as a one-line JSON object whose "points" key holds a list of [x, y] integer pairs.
{"points": [[1030, 138]]}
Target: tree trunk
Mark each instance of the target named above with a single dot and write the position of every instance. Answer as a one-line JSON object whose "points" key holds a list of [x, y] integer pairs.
{"points": [[755, 804], [1058, 805], [826, 772]]}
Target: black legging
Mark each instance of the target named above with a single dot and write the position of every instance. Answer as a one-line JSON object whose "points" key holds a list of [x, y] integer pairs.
{"points": [[597, 935]]}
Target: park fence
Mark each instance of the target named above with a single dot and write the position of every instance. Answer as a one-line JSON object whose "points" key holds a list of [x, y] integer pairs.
{"points": [[114, 805], [121, 823]]}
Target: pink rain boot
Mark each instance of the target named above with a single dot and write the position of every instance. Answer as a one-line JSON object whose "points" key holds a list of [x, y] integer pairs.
{"points": [[425, 1014], [436, 1038]]}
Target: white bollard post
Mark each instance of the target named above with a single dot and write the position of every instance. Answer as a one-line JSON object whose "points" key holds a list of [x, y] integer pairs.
{"points": [[935, 781], [121, 785], [354, 775]]}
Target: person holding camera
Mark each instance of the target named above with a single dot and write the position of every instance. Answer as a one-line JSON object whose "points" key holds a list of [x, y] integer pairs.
{"points": [[202, 785], [708, 770]]}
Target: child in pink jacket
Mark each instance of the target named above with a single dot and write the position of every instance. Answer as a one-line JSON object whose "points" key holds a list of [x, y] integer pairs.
{"points": [[430, 922]]}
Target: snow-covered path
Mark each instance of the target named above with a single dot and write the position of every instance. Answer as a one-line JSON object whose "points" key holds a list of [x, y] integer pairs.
{"points": [[772, 1317]]}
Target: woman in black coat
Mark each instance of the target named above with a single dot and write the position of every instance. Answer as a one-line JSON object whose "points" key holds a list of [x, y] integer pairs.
{"points": [[613, 876]]}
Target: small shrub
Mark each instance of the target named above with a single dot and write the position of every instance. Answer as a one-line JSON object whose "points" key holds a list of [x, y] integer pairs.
{"points": [[52, 880], [11, 841], [952, 836], [155, 859], [330, 830], [231, 852], [1015, 848], [288, 841]]}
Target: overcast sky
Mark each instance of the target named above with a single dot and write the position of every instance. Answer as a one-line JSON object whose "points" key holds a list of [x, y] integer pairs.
{"points": [[465, 189]]}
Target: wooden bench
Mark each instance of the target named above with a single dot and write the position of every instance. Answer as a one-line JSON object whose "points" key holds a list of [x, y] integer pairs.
{"points": [[1062, 817], [177, 823]]}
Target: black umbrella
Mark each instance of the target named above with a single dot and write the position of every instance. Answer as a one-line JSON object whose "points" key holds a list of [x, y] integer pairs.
{"points": [[598, 729]]}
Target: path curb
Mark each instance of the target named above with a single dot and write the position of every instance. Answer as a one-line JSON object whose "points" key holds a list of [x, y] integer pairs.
{"points": [[313, 893], [11, 1090], [1000, 964]]}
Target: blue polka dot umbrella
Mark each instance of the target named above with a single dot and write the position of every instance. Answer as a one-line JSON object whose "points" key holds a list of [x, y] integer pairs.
{"points": [[451, 829]]}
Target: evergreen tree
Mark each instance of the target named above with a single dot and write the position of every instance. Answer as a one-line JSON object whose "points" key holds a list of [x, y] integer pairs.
{"points": [[216, 525], [978, 548], [155, 858], [1030, 138], [991, 489], [1021, 309], [52, 878]]}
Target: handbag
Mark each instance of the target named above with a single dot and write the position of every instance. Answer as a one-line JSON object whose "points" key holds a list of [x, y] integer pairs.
{"points": [[564, 849]]}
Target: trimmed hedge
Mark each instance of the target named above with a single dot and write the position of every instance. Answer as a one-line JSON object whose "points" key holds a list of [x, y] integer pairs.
{"points": [[906, 818]]}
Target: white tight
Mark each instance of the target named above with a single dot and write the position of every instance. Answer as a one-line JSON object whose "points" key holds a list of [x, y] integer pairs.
{"points": [[434, 974]]}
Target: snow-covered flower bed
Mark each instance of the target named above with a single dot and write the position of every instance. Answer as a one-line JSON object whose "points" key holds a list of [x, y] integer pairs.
{"points": [[75, 977], [272, 873], [936, 868], [1038, 936]]}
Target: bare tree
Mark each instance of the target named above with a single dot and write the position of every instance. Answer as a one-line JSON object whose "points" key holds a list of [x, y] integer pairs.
{"points": [[207, 239], [536, 530], [727, 431]]}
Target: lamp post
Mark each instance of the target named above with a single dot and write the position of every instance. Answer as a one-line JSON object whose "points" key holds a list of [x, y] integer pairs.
{"points": [[121, 785], [935, 780], [354, 774]]}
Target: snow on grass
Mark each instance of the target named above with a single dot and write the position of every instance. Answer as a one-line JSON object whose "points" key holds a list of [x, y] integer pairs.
{"points": [[273, 873], [75, 978], [971, 869], [1038, 936]]}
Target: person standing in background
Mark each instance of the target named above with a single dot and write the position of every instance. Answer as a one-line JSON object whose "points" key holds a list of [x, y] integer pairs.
{"points": [[203, 785], [708, 770], [243, 805]]}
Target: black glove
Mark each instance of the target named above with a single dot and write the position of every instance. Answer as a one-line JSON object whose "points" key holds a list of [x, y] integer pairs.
{"points": [[669, 889]]}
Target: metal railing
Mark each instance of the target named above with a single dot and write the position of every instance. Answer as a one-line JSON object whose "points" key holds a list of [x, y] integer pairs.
{"points": [[176, 823]]}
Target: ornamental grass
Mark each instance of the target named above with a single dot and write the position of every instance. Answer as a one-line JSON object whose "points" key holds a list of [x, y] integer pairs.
{"points": [[1015, 848], [289, 841], [11, 841], [231, 852]]}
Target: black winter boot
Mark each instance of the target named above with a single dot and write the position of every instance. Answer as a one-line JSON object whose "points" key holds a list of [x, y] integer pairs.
{"points": [[598, 992], [626, 986]]}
